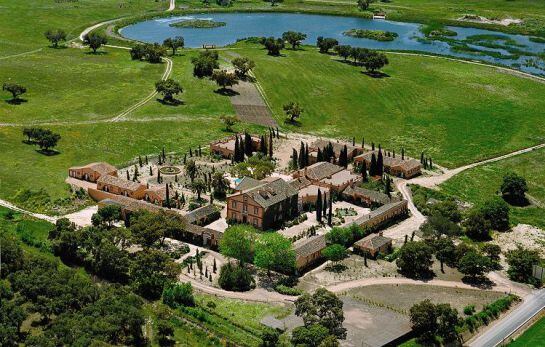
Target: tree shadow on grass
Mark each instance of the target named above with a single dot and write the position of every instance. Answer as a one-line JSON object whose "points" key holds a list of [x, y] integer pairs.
{"points": [[480, 282], [422, 276], [48, 152], [96, 53], [226, 92], [375, 74], [173, 102], [292, 122], [17, 101]]}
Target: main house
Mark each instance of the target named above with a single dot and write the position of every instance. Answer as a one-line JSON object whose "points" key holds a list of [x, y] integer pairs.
{"points": [[120, 186], [92, 172], [395, 166], [264, 204]]}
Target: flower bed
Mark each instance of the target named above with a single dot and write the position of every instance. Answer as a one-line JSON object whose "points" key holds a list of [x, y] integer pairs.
{"points": [[170, 170]]}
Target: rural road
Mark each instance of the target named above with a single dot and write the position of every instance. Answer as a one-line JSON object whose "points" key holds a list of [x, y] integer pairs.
{"points": [[506, 326]]}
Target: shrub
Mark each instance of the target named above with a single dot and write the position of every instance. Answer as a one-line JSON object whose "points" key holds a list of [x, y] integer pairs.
{"points": [[469, 310], [235, 278], [176, 295], [282, 289]]}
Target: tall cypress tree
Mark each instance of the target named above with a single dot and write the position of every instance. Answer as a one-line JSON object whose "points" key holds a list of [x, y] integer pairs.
{"points": [[330, 214], [364, 171], [271, 145], [402, 153], [319, 207], [380, 163], [236, 154], [167, 196], [248, 145], [263, 145], [363, 142], [294, 158], [324, 206], [345, 157], [140, 161], [373, 165], [319, 156], [387, 186], [306, 155], [353, 140], [302, 156], [372, 146], [422, 158]]}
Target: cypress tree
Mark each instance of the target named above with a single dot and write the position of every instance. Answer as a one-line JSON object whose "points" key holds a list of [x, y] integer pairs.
{"points": [[135, 176], [263, 147], [394, 153], [146, 160], [277, 133], [163, 153], [294, 158], [150, 171], [353, 141], [302, 156], [271, 145], [364, 171], [373, 165], [372, 146], [387, 186], [319, 207], [128, 176], [236, 154], [214, 266], [167, 196], [306, 155], [422, 158], [324, 206], [380, 163], [345, 157], [363, 142], [319, 156], [190, 153], [159, 179], [140, 161], [402, 153], [330, 214], [248, 144]]}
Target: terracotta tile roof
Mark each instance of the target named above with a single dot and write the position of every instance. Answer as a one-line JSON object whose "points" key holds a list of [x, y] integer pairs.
{"points": [[120, 182], [161, 191], [100, 167], [373, 242], [337, 146], [406, 164], [271, 193], [131, 204], [372, 195], [379, 211], [308, 246], [342, 177], [299, 183], [201, 212], [247, 183], [410, 164], [321, 170]]}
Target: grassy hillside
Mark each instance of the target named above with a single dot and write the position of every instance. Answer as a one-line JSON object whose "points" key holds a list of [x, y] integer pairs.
{"points": [[456, 112], [482, 183]]}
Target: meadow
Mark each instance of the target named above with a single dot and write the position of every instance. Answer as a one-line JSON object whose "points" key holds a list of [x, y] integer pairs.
{"points": [[455, 112], [532, 337], [483, 183]]}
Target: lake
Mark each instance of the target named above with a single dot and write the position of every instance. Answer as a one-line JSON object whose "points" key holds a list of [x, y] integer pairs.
{"points": [[516, 51]]}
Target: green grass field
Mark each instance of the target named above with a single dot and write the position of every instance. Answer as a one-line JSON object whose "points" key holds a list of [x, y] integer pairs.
{"points": [[22, 23], [532, 337], [456, 112], [74, 85], [482, 183]]}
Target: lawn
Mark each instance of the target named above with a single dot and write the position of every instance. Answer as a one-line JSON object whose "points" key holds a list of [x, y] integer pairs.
{"points": [[22, 167], [22, 23], [73, 85], [455, 112], [482, 183], [199, 98], [533, 336], [31, 232]]}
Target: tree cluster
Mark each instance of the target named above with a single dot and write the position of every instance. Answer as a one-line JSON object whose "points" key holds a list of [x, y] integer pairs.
{"points": [[272, 45], [44, 138], [94, 40], [55, 36], [205, 63], [149, 52], [430, 321]]}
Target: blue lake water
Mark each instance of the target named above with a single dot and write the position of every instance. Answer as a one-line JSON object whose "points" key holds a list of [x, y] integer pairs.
{"points": [[242, 25]]}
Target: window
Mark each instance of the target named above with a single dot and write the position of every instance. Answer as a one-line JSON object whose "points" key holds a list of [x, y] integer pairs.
{"points": [[256, 210], [234, 204], [234, 215], [245, 198], [245, 208]]}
